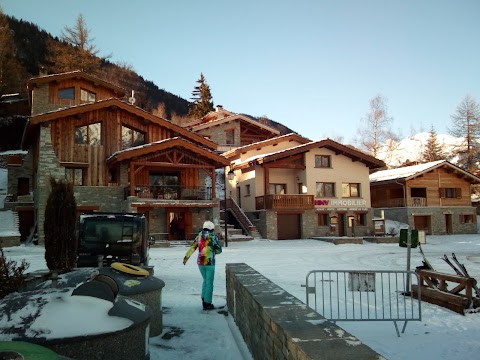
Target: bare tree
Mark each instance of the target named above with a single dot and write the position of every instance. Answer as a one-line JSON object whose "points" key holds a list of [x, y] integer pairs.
{"points": [[466, 125], [376, 127], [75, 51]]}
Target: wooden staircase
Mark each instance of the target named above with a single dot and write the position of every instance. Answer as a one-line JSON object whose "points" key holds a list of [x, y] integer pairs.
{"points": [[248, 231]]}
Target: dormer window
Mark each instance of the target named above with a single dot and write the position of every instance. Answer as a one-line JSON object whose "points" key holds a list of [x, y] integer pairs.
{"points": [[131, 137], [87, 96], [66, 93], [89, 134]]}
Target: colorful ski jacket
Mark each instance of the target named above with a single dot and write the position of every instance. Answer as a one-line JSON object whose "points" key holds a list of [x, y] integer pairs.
{"points": [[208, 246]]}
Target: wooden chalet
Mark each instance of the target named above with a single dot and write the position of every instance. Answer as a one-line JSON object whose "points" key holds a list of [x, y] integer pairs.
{"points": [[292, 187], [119, 157], [434, 197], [230, 130]]}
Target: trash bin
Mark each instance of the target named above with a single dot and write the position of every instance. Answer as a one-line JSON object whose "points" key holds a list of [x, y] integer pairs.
{"points": [[404, 238]]}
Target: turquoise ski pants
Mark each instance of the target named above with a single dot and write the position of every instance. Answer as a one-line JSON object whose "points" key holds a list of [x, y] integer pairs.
{"points": [[208, 275]]}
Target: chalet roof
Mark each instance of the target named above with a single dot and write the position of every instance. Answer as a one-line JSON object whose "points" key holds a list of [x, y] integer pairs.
{"points": [[339, 149], [258, 145], [116, 103], [147, 149], [204, 123], [78, 74], [410, 172]]}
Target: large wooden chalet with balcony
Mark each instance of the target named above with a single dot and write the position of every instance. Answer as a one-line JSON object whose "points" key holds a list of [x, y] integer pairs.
{"points": [[434, 197], [119, 157], [291, 187]]}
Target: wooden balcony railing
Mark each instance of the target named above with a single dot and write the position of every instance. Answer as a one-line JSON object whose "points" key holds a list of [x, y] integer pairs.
{"points": [[284, 202], [393, 203], [170, 192]]}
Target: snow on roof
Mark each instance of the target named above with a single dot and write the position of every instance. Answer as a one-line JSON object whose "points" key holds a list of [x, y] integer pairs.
{"points": [[403, 172]]}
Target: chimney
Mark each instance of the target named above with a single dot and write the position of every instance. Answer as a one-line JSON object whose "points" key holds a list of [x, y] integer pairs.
{"points": [[219, 108]]}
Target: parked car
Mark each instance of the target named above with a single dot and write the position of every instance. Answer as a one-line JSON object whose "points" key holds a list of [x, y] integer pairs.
{"points": [[104, 238]]}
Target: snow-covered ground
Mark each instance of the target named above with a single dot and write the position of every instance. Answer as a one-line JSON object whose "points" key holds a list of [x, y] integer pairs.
{"points": [[442, 334], [189, 333]]}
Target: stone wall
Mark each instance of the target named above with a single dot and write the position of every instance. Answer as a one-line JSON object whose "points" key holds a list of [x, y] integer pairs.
{"points": [[276, 325]]}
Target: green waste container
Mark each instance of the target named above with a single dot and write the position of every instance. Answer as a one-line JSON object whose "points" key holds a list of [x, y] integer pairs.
{"points": [[404, 238]]}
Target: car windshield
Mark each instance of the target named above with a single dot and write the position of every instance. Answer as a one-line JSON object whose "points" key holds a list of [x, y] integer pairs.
{"points": [[110, 231]]}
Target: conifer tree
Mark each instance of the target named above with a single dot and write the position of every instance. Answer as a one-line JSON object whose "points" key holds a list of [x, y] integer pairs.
{"points": [[202, 99], [11, 71], [75, 51], [59, 227], [433, 150]]}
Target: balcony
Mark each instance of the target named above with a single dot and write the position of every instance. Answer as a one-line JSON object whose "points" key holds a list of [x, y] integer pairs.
{"points": [[284, 202], [394, 203], [170, 192]]}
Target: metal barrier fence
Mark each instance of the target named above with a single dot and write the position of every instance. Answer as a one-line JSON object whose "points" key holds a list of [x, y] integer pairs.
{"points": [[351, 295]]}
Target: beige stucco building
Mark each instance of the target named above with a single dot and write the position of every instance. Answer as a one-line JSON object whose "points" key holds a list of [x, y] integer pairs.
{"points": [[291, 187]]}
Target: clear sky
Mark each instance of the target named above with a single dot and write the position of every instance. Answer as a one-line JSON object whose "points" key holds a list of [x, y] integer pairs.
{"points": [[312, 65]]}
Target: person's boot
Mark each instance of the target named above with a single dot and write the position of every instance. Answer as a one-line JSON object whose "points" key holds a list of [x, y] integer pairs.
{"points": [[208, 306], [203, 303]]}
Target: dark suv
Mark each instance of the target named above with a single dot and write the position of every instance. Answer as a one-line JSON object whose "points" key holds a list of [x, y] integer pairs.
{"points": [[104, 238]]}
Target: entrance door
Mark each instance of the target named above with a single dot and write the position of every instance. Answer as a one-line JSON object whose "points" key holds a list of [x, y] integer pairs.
{"points": [[179, 224], [448, 223], [341, 224], [288, 226], [23, 186], [239, 197], [422, 223]]}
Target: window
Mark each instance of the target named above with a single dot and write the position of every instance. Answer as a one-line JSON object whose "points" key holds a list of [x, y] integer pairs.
{"points": [[360, 219], [323, 219], [467, 219], [131, 137], [325, 190], [74, 175], [450, 193], [278, 189], [89, 134], [350, 190], [67, 93], [323, 161], [113, 175], [247, 190], [87, 96], [230, 137]]}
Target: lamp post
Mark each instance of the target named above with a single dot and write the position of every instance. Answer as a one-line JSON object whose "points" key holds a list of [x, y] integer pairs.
{"points": [[231, 176]]}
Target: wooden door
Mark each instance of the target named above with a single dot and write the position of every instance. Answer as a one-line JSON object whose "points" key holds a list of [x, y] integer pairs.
{"points": [[288, 226]]}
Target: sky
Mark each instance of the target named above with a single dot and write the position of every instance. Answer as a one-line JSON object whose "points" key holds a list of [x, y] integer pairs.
{"points": [[312, 65]]}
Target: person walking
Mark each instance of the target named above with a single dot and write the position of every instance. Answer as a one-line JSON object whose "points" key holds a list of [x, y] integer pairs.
{"points": [[208, 246]]}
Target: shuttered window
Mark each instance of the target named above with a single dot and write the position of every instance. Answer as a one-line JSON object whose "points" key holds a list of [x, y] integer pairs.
{"points": [[450, 193]]}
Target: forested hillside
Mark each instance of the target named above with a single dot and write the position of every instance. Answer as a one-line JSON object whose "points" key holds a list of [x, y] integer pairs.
{"points": [[31, 44]]}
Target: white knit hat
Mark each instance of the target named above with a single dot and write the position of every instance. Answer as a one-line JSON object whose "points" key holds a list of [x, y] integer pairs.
{"points": [[208, 225]]}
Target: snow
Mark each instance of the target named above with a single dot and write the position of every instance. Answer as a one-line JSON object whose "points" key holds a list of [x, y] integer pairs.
{"points": [[442, 334]]}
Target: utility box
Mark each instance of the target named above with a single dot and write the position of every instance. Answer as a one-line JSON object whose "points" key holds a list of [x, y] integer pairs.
{"points": [[404, 238]]}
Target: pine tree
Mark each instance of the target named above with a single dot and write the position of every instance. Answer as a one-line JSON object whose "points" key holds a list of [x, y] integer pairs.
{"points": [[433, 150], [59, 227], [466, 125], [202, 99], [75, 51]]}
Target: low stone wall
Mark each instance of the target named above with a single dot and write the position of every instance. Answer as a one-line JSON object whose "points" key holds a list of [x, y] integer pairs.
{"points": [[276, 325]]}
